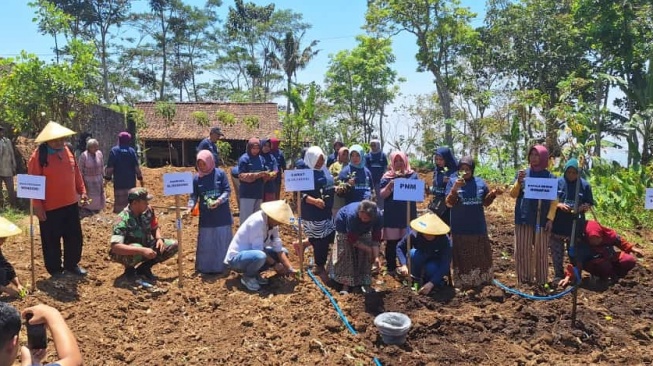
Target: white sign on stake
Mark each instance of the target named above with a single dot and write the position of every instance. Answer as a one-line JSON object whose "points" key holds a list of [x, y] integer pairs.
{"points": [[408, 190], [648, 203], [299, 180], [30, 186], [541, 188], [177, 183]]}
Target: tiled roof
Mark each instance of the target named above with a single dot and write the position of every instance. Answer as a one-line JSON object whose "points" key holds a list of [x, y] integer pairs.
{"points": [[184, 126]]}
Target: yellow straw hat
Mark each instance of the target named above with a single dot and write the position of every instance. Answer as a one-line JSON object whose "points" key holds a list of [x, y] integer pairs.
{"points": [[279, 211], [429, 224], [8, 228], [53, 131]]}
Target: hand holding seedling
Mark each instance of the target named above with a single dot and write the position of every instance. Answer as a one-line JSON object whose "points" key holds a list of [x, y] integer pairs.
{"points": [[520, 176]]}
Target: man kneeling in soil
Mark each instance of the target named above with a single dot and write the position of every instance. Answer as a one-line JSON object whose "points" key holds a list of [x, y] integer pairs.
{"points": [[136, 237], [257, 245]]}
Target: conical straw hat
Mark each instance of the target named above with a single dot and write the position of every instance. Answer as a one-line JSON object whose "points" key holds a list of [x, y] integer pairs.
{"points": [[429, 224], [279, 211], [53, 131], [8, 228]]}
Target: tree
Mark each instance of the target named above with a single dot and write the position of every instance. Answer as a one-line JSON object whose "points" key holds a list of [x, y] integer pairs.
{"points": [[360, 83], [51, 21], [32, 92], [289, 57], [441, 28], [167, 111]]}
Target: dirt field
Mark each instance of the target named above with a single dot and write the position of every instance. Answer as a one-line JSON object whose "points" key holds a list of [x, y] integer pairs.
{"points": [[214, 321]]}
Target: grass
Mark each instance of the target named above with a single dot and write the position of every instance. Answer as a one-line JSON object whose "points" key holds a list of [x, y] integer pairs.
{"points": [[14, 215]]}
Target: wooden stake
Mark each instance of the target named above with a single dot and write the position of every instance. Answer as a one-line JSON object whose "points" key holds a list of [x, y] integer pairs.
{"points": [[31, 239], [538, 228], [408, 261], [179, 239], [299, 231]]}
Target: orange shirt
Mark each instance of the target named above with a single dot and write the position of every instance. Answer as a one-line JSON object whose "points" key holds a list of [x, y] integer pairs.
{"points": [[63, 181]]}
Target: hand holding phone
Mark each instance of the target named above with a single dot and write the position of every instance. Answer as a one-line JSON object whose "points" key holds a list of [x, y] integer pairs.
{"points": [[37, 337]]}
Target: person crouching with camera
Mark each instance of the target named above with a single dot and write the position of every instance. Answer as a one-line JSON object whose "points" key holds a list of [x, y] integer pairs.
{"points": [[37, 319]]}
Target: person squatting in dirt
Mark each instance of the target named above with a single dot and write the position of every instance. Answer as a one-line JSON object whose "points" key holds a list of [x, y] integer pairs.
{"points": [[9, 282], [136, 241], [430, 255], [356, 248], [595, 253], [40, 317], [257, 246]]}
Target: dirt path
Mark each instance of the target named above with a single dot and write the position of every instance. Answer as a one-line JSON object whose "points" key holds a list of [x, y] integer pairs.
{"points": [[214, 321]]}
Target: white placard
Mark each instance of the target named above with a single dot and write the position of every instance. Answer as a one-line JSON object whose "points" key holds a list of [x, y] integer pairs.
{"points": [[408, 190], [541, 188], [177, 183], [31, 186], [648, 203], [299, 180]]}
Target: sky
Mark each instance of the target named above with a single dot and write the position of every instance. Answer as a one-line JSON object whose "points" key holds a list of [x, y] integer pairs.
{"points": [[335, 24]]}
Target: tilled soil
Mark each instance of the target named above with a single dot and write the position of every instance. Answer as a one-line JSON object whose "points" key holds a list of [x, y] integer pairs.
{"points": [[215, 321]]}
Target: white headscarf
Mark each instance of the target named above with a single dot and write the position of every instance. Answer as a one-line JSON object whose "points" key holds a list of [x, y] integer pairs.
{"points": [[313, 155]]}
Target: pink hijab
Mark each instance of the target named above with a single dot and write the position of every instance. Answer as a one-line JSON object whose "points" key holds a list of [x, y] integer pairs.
{"points": [[391, 172], [207, 158], [544, 158]]}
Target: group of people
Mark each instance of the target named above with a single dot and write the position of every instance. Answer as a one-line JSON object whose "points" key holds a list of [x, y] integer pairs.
{"points": [[350, 214]]}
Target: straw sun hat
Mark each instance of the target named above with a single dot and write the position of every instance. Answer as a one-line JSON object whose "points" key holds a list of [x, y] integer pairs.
{"points": [[429, 224], [279, 211], [8, 228], [53, 131]]}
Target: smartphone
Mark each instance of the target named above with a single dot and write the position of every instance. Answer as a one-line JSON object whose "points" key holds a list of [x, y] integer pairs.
{"points": [[37, 338]]}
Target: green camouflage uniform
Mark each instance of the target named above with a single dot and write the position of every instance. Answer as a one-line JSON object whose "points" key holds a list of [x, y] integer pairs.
{"points": [[138, 231]]}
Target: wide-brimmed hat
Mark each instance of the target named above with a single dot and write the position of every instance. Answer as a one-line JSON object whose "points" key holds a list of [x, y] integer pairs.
{"points": [[8, 228], [53, 131], [279, 211], [429, 224]]}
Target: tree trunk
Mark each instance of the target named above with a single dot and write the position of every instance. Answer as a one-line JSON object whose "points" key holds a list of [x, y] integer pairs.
{"points": [[105, 67], [600, 99], [381, 112], [444, 96]]}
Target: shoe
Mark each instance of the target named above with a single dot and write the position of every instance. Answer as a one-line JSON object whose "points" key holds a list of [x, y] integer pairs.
{"points": [[130, 272], [250, 282], [146, 273], [262, 280], [78, 271]]}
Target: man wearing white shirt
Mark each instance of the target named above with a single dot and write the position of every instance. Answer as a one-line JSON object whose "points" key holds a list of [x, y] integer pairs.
{"points": [[257, 245]]}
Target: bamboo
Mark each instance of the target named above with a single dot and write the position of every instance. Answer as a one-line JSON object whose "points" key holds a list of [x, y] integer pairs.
{"points": [[408, 244], [572, 244], [31, 239], [299, 233]]}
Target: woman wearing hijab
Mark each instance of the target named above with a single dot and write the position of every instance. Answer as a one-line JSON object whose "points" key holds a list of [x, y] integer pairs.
{"points": [[527, 243], [281, 163], [377, 163], [271, 166], [123, 166], [358, 233], [357, 177], [251, 174], [91, 166], [211, 192], [430, 256], [472, 254], [596, 254], [564, 219], [445, 167], [394, 215], [316, 209], [335, 169]]}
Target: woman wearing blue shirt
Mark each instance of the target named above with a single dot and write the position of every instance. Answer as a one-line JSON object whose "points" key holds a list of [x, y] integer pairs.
{"points": [[445, 167], [211, 191], [357, 176], [251, 173], [472, 254]]}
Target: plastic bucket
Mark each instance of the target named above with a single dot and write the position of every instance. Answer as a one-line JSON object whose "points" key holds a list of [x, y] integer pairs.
{"points": [[393, 327]]}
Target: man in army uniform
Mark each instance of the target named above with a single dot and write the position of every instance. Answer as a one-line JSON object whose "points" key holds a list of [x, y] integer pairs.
{"points": [[136, 237]]}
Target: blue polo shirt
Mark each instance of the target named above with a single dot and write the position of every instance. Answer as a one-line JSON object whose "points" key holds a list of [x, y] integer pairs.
{"points": [[251, 164]]}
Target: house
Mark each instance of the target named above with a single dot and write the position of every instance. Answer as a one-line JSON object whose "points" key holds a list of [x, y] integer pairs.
{"points": [[238, 121]]}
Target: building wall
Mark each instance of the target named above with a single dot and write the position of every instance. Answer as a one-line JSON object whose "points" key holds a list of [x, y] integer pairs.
{"points": [[104, 126]]}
